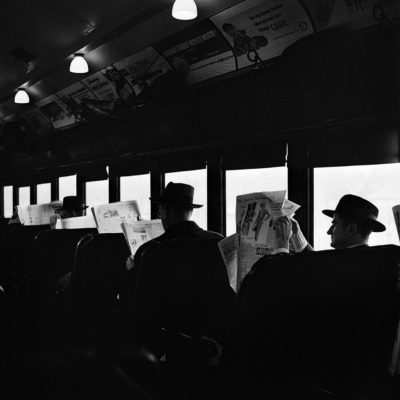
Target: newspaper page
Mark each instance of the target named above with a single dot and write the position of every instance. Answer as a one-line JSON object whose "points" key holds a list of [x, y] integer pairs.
{"points": [[86, 221], [256, 214], [396, 214], [229, 248], [38, 214], [109, 217], [139, 232]]}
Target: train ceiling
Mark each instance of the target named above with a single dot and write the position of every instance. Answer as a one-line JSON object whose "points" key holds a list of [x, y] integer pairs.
{"points": [[136, 51]]}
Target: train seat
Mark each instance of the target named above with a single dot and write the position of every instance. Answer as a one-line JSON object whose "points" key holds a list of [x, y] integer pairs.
{"points": [[318, 320], [96, 278]]}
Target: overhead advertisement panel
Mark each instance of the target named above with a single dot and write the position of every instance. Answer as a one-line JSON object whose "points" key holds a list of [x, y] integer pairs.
{"points": [[56, 111], [259, 30], [143, 69], [198, 53], [101, 86], [36, 120], [352, 14], [74, 97]]}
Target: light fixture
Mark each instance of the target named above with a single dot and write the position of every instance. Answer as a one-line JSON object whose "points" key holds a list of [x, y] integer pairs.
{"points": [[78, 64], [21, 97], [184, 9]]}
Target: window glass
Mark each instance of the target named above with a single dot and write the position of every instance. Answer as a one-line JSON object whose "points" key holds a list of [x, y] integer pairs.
{"points": [[24, 194], [245, 181], [379, 184], [8, 201], [66, 186], [137, 187], [198, 179], [96, 193], [43, 193]]}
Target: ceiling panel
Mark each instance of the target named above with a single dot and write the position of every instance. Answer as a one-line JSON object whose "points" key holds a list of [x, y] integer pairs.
{"points": [[98, 12], [38, 27], [40, 90], [104, 55]]}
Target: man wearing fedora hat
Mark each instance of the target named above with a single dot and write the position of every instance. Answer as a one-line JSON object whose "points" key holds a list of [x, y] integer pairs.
{"points": [[175, 210], [72, 207], [353, 220], [163, 272]]}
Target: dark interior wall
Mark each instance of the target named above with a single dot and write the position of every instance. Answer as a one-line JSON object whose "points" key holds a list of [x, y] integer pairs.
{"points": [[335, 75]]}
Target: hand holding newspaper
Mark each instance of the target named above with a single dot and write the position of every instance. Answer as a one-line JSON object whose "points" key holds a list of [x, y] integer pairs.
{"points": [[139, 232], [256, 214]]}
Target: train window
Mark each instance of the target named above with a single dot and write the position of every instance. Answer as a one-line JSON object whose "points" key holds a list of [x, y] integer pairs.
{"points": [[24, 196], [43, 193], [244, 181], [378, 183], [67, 186], [97, 192], [8, 201], [137, 187], [198, 179]]}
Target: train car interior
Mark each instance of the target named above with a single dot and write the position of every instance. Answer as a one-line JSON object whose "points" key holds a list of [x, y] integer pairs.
{"points": [[113, 101]]}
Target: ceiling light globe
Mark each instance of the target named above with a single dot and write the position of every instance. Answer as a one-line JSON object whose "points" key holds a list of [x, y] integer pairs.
{"points": [[184, 9], [21, 97], [79, 65]]}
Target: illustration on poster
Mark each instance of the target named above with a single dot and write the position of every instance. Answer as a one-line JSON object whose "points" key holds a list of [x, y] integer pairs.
{"points": [[243, 43]]}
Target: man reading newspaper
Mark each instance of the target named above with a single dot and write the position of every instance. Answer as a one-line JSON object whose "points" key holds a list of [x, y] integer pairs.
{"points": [[265, 226], [178, 280]]}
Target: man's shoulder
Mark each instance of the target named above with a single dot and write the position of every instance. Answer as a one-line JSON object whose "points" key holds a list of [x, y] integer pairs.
{"points": [[210, 234]]}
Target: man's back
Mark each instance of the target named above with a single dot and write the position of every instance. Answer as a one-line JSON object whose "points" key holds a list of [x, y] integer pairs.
{"points": [[182, 285]]}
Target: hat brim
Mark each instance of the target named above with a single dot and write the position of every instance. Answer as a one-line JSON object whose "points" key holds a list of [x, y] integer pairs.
{"points": [[328, 213], [375, 226], [159, 201]]}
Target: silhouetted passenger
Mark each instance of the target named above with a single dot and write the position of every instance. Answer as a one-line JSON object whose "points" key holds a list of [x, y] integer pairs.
{"points": [[179, 280], [353, 220], [72, 207]]}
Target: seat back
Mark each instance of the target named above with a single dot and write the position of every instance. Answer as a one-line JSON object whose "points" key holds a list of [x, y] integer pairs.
{"points": [[182, 285], [324, 318], [19, 245], [96, 279], [54, 253]]}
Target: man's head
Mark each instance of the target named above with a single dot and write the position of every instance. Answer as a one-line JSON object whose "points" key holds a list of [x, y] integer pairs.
{"points": [[176, 204], [72, 207], [353, 220]]}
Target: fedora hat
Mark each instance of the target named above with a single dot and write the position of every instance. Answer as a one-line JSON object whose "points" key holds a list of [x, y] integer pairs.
{"points": [[73, 203], [179, 194], [357, 209]]}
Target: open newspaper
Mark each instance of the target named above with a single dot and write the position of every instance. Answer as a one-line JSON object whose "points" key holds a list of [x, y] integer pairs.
{"points": [[255, 234], [38, 214], [86, 221], [139, 232], [109, 217], [229, 248], [396, 214]]}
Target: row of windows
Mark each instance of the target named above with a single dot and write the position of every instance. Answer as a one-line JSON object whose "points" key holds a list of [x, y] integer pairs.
{"points": [[377, 183]]}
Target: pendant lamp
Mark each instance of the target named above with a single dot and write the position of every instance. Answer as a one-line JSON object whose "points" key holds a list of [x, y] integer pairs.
{"points": [[21, 97], [79, 65], [184, 9]]}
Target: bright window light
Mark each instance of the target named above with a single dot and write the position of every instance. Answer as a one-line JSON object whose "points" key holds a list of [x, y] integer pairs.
{"points": [[379, 184]]}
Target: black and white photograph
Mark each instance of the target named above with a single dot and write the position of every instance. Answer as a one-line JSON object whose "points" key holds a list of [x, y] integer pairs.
{"points": [[200, 199]]}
